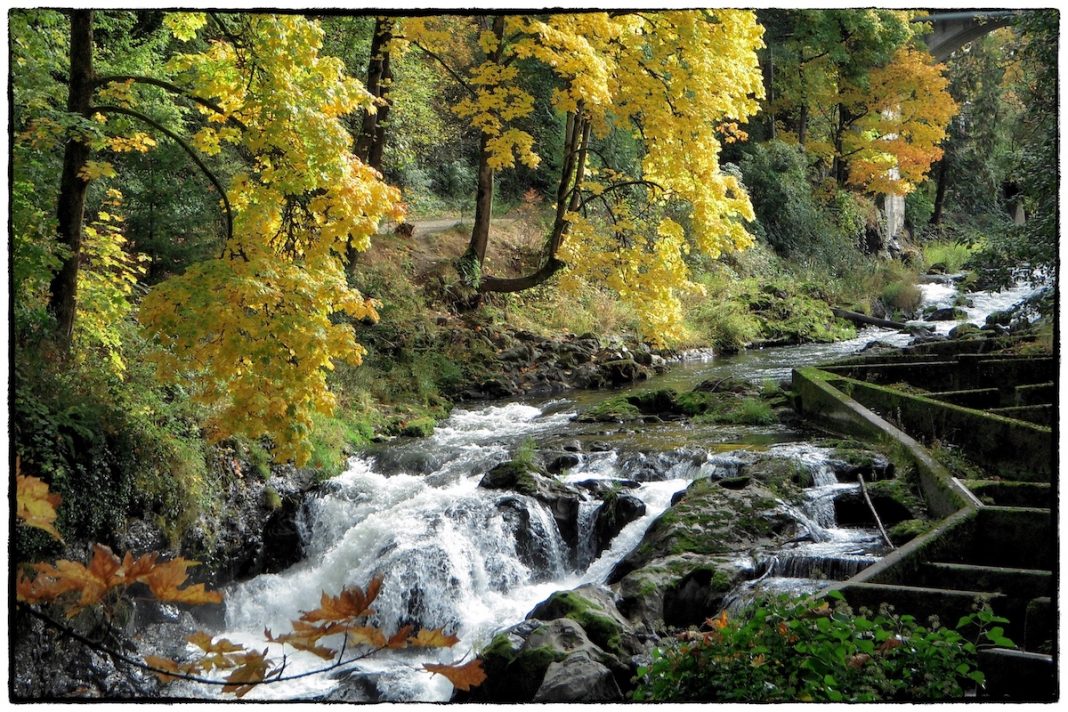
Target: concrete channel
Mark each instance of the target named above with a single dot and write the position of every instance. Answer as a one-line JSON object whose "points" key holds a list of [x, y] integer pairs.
{"points": [[996, 537]]}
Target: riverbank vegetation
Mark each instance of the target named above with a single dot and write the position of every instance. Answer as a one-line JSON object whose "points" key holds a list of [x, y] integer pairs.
{"points": [[247, 243]]}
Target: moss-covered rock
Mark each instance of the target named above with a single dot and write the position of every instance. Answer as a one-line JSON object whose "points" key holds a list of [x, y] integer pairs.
{"points": [[595, 610], [708, 520], [965, 331], [420, 427], [679, 590], [907, 530], [517, 659], [613, 410]]}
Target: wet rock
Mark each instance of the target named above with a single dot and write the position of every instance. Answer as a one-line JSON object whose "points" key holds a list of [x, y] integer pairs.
{"points": [[965, 331], [918, 329], [498, 388], [407, 459], [578, 678], [593, 608], [708, 520], [948, 314], [615, 513], [283, 536], [622, 371], [48, 666], [928, 339], [572, 446], [848, 464], [563, 462], [1002, 318], [878, 346], [684, 589], [696, 596], [354, 686], [517, 659], [530, 543], [562, 500]]}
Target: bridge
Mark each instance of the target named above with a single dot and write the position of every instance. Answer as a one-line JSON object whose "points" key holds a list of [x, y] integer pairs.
{"points": [[952, 30]]}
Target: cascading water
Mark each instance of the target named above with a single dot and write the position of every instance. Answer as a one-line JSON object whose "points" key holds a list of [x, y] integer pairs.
{"points": [[473, 560]]}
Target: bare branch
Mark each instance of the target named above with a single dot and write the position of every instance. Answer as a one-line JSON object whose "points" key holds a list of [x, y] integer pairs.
{"points": [[452, 72], [185, 146], [623, 184], [174, 88]]}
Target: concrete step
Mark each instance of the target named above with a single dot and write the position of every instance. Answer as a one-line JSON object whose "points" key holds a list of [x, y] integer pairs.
{"points": [[1018, 583], [1040, 625], [1010, 537], [1019, 676], [1006, 493], [1040, 414], [924, 601]]}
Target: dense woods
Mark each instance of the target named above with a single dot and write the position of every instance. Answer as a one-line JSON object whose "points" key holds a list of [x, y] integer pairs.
{"points": [[270, 239]]}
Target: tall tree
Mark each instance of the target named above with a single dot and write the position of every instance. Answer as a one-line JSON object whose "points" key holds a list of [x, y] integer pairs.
{"points": [[73, 181], [617, 72]]}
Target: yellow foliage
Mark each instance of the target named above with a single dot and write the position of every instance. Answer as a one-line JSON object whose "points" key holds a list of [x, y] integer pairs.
{"points": [[35, 504], [255, 331]]}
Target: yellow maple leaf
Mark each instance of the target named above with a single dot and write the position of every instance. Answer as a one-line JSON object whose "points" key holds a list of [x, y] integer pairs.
{"points": [[434, 638], [165, 581], [35, 505]]}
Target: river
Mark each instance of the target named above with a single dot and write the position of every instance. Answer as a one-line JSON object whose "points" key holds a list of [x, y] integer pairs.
{"points": [[412, 511]]}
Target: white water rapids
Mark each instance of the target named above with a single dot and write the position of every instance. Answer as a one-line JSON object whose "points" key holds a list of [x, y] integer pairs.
{"points": [[448, 550]]}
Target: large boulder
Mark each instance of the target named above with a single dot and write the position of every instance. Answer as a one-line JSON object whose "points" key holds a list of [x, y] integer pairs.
{"points": [[516, 660], [578, 678], [593, 608], [948, 314]]}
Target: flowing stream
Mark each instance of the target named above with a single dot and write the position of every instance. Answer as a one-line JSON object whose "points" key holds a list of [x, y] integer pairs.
{"points": [[448, 550]]}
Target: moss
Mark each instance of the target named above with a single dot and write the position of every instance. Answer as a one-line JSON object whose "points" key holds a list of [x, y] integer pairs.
{"points": [[271, 499], [421, 427], [697, 402], [904, 532], [500, 647], [900, 490], [617, 409], [664, 400]]}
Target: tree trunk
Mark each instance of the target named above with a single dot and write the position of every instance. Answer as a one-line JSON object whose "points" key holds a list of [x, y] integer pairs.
{"points": [[476, 247], [841, 165], [372, 138], [70, 207], [940, 193], [378, 145], [473, 258], [769, 83], [372, 132]]}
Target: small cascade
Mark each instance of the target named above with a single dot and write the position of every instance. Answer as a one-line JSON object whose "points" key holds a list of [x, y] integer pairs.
{"points": [[823, 552], [587, 538]]}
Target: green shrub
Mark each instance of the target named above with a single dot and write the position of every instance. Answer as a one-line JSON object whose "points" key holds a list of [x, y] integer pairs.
{"points": [[803, 650], [753, 411], [788, 216], [919, 206], [903, 296], [951, 255]]}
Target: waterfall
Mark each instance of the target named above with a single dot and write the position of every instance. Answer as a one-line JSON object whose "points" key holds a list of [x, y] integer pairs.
{"points": [[474, 561]]}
